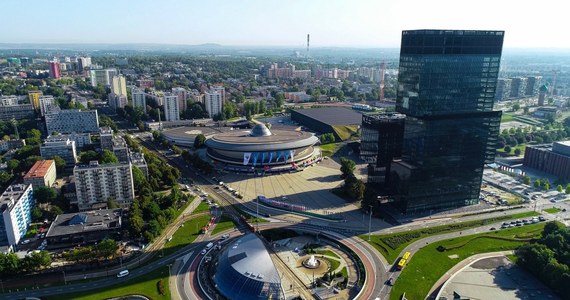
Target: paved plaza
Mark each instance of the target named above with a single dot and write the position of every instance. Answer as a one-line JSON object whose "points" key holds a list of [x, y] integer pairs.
{"points": [[310, 188], [495, 278]]}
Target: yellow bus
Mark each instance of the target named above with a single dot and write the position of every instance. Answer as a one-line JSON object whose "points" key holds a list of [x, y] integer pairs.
{"points": [[404, 260]]}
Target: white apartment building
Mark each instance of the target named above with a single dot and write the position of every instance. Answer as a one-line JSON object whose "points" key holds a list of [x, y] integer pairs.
{"points": [[139, 98], [213, 102], [61, 146], [119, 85], [182, 95], [95, 183], [102, 76], [16, 205], [171, 112], [9, 100], [47, 104], [72, 120]]}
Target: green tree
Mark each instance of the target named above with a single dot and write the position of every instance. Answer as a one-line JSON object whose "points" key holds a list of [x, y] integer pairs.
{"points": [[507, 149], [44, 194], [13, 165], [347, 167], [568, 189], [537, 183], [199, 141], [546, 186], [5, 178], [107, 248], [526, 179], [37, 214], [559, 188], [88, 156], [517, 151], [108, 157], [111, 203], [33, 137], [59, 163], [516, 107]]}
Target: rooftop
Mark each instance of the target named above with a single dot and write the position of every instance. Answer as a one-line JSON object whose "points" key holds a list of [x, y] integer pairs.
{"points": [[94, 220], [11, 195], [332, 115], [39, 169]]}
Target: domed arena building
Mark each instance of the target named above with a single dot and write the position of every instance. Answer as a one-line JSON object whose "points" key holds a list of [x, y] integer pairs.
{"points": [[246, 272], [260, 148]]}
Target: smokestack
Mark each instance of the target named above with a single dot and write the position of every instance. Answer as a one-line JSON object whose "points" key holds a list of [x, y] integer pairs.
{"points": [[308, 38]]}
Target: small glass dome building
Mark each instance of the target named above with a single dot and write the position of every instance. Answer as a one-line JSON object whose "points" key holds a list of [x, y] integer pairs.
{"points": [[246, 272]]}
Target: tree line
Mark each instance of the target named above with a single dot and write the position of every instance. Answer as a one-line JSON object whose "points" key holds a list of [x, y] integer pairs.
{"points": [[548, 258]]}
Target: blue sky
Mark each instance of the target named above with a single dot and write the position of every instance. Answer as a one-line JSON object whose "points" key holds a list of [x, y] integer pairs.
{"points": [[354, 23]]}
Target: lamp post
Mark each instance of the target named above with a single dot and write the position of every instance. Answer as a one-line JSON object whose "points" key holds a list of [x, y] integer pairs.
{"points": [[370, 223], [257, 213], [64, 280], [169, 265]]}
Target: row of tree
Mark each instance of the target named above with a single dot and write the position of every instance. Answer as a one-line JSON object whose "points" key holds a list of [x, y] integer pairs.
{"points": [[10, 264], [353, 186], [549, 258], [104, 250]]}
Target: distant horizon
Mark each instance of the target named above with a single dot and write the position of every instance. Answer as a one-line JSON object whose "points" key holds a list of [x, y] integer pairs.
{"points": [[213, 44]]}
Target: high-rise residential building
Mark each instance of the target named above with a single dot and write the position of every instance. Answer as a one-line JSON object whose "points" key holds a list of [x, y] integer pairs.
{"points": [[72, 120], [117, 101], [42, 173], [213, 101], [532, 85], [47, 105], [81, 139], [518, 87], [171, 112], [34, 97], [9, 100], [16, 204], [102, 76], [542, 94], [95, 184], [446, 87], [139, 98], [503, 90], [182, 95], [121, 149], [106, 138], [61, 146], [221, 90], [54, 71], [380, 143], [83, 62], [119, 85]]}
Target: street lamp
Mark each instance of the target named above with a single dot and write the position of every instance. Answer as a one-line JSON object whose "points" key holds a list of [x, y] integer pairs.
{"points": [[257, 213], [64, 280], [169, 265], [370, 223]]}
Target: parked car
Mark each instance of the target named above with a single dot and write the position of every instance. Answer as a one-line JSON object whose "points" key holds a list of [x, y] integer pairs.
{"points": [[123, 273]]}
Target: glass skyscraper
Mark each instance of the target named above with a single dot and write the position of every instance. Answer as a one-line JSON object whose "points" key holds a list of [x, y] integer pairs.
{"points": [[446, 88]]}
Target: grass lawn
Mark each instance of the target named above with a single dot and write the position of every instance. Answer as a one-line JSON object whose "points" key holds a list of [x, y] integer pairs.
{"points": [[329, 149], [391, 245], [183, 207], [506, 117], [521, 147], [552, 210], [428, 264], [327, 253], [202, 207], [185, 234], [224, 224], [146, 285]]}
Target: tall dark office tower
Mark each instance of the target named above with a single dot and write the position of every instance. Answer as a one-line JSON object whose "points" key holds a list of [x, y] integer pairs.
{"points": [[381, 142], [446, 87]]}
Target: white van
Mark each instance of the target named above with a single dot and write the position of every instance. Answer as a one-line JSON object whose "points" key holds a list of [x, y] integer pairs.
{"points": [[209, 246], [123, 273]]}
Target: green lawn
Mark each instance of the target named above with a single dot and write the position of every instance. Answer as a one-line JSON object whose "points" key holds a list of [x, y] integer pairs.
{"points": [[146, 285], [186, 234], [224, 224], [506, 117], [552, 210], [327, 253], [521, 147], [203, 206], [329, 149], [428, 264], [391, 245]]}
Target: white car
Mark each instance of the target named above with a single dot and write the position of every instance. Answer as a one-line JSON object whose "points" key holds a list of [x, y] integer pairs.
{"points": [[123, 273]]}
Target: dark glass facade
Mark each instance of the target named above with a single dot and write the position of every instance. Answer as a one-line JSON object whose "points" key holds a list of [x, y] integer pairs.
{"points": [[381, 141], [446, 88]]}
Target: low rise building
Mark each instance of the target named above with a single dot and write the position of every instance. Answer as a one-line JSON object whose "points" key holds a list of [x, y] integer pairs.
{"points": [[82, 228], [120, 149], [18, 112], [11, 144], [16, 204], [106, 138], [137, 160], [42, 173], [60, 146], [72, 120], [552, 158]]}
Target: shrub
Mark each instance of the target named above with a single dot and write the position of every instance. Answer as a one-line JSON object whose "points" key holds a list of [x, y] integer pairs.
{"points": [[160, 286]]}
